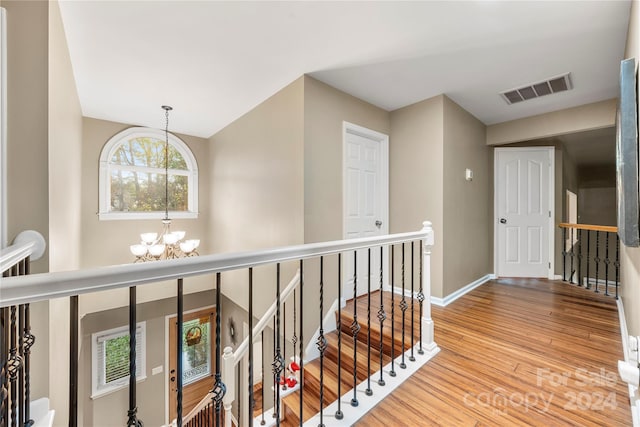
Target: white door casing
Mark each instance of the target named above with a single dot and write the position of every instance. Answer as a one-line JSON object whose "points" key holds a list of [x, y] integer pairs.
{"points": [[365, 200], [524, 220]]}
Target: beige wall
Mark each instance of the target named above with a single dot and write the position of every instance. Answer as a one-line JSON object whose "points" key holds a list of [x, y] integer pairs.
{"points": [[257, 188], [630, 257], [468, 205], [416, 171], [597, 195], [65, 177], [585, 117], [27, 118]]}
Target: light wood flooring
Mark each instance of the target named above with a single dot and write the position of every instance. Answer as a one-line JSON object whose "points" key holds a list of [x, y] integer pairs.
{"points": [[517, 352]]}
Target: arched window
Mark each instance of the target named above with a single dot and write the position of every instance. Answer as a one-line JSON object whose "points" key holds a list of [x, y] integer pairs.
{"points": [[132, 176]]}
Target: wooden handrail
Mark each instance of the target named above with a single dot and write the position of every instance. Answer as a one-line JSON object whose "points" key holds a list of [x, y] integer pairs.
{"points": [[607, 228]]}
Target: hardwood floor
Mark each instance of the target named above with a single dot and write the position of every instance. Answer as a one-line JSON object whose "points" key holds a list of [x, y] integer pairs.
{"points": [[517, 352]]}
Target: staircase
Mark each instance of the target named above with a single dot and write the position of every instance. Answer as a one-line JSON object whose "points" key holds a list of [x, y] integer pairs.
{"points": [[311, 392]]}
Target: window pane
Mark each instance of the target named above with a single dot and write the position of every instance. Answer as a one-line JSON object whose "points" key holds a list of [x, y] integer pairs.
{"points": [[116, 358], [147, 151], [145, 192], [196, 353]]}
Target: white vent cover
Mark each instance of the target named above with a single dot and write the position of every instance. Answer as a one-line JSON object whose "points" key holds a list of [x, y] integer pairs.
{"points": [[538, 89]]}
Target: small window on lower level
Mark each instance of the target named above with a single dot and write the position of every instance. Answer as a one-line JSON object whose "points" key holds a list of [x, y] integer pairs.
{"points": [[110, 354]]}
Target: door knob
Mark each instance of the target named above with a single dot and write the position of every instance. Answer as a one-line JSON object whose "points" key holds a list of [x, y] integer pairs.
{"points": [[378, 223], [503, 220]]}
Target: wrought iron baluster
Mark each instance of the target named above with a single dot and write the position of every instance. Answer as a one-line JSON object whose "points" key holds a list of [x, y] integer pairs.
{"points": [[262, 421], [368, 391], [301, 340], [381, 317], [322, 342], [579, 257], [132, 413], [278, 361], [606, 264], [250, 379], [219, 388], [73, 361], [339, 415], [403, 308], [564, 254], [355, 328], [276, 379], [20, 378], [617, 264], [392, 372], [597, 258], [14, 366], [412, 358], [179, 332], [571, 253], [4, 361], [284, 335], [588, 284], [420, 300]]}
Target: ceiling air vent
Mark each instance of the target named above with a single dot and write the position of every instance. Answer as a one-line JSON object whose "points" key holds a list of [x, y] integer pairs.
{"points": [[538, 89]]}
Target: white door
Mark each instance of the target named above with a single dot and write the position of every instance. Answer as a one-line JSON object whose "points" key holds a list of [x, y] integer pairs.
{"points": [[365, 201], [524, 211]]}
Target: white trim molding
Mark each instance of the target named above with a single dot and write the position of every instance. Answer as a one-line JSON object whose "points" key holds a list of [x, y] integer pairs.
{"points": [[634, 392], [443, 302]]}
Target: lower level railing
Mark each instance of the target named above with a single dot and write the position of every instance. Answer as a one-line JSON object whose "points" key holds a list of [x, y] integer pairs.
{"points": [[328, 273], [591, 257]]}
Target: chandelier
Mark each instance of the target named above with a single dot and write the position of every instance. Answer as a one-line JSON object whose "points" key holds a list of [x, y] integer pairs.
{"points": [[168, 244]]}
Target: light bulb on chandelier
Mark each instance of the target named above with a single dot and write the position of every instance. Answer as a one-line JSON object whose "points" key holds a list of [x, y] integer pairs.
{"points": [[168, 244]]}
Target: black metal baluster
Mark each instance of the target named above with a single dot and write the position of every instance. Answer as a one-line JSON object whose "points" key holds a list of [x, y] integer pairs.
{"points": [[368, 391], [607, 261], [420, 300], [262, 421], [588, 284], [381, 317], [597, 258], [579, 257], [403, 308], [276, 379], [564, 254], [617, 263], [339, 415], [133, 409], [571, 253], [179, 339], [284, 336], [73, 361], [219, 388], [21, 356], [355, 328], [278, 361], [301, 364], [251, 399], [4, 360], [29, 340], [322, 342], [14, 366], [412, 358], [392, 372]]}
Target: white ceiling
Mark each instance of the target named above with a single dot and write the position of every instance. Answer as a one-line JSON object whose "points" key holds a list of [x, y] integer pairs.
{"points": [[214, 61]]}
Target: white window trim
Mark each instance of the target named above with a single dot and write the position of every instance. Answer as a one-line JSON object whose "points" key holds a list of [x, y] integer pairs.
{"points": [[105, 189], [96, 390]]}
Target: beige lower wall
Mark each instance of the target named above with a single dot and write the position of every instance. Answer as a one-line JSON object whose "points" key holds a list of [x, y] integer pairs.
{"points": [[468, 205], [416, 171]]}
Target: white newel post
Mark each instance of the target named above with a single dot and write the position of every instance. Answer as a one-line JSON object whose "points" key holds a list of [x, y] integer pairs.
{"points": [[428, 342], [229, 380]]}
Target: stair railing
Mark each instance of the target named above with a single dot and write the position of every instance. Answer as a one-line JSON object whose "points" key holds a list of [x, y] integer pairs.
{"points": [[231, 359], [27, 289], [16, 341], [591, 256]]}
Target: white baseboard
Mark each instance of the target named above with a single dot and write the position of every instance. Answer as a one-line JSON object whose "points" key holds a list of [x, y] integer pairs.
{"points": [[634, 399], [442, 302]]}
